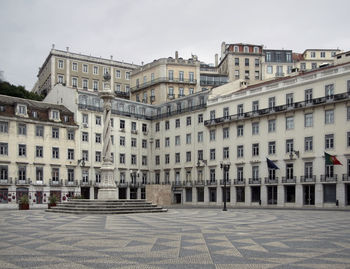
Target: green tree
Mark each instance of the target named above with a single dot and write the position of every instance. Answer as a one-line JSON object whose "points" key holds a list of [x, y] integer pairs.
{"points": [[18, 91]]}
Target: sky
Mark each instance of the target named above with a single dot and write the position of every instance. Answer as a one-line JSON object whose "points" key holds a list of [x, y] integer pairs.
{"points": [[138, 31]]}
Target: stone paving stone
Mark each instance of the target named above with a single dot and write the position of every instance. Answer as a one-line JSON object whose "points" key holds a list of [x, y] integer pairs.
{"points": [[181, 238]]}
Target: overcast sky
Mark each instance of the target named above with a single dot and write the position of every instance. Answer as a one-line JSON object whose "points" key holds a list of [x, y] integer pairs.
{"points": [[136, 31]]}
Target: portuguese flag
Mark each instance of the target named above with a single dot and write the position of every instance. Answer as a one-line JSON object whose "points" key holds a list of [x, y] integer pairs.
{"points": [[330, 159]]}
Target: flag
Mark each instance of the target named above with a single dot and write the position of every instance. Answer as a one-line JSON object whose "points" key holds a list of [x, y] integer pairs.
{"points": [[270, 164], [330, 159]]}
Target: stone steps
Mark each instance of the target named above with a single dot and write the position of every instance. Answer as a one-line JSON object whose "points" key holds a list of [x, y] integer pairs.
{"points": [[106, 207]]}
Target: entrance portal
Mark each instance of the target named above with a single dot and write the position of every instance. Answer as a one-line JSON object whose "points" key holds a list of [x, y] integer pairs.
{"points": [[309, 194], [272, 195]]}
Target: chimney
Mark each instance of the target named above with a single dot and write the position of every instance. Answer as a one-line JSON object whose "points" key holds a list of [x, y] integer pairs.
{"points": [[111, 57], [216, 59], [67, 48], [176, 55], [53, 46]]}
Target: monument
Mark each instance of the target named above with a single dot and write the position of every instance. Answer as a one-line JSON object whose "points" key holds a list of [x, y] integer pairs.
{"points": [[108, 189]]}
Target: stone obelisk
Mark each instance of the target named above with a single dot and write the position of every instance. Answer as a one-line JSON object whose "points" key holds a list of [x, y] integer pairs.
{"points": [[108, 190]]}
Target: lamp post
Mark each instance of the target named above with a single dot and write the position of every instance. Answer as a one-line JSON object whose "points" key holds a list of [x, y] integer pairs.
{"points": [[225, 167]]}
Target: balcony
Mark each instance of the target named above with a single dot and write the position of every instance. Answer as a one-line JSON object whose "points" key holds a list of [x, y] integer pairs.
{"points": [[279, 109], [71, 183], [327, 178], [228, 182], [211, 182], [56, 183], [84, 183], [163, 80], [5, 182], [346, 177], [308, 179], [287, 180], [187, 183], [271, 180], [255, 181], [22, 182], [133, 184], [279, 74], [199, 183], [39, 183], [239, 181], [122, 94], [122, 184]]}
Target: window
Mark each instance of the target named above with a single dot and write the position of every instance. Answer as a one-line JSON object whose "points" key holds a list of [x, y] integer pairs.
{"points": [[70, 155], [133, 126], [329, 141], [133, 142], [171, 74], [55, 132], [240, 110], [329, 91], [55, 153], [144, 143], [85, 137], [144, 160], [122, 141], [55, 115], [39, 151], [246, 61], [308, 120], [98, 156], [112, 122], [269, 69], [188, 139], [85, 84], [167, 159], [225, 132], [144, 127], [312, 54], [157, 143], [255, 149], [271, 126], [188, 121], [60, 64], [257, 62], [289, 123], [236, 61], [85, 68], [74, 82], [212, 175], [236, 74], [22, 129], [200, 155], [272, 173], [181, 76], [167, 125], [60, 79], [98, 120], [75, 66], [157, 160], [22, 173], [133, 159], [226, 113], [246, 74], [85, 118], [70, 134], [200, 117], [302, 66], [329, 116], [4, 126], [348, 139], [308, 143], [188, 156], [122, 124], [157, 127], [117, 74], [289, 171], [212, 114], [39, 173], [39, 131], [255, 106], [177, 140], [255, 172], [212, 154], [272, 147], [308, 96], [177, 123], [212, 135], [240, 130], [200, 137], [308, 173], [255, 128], [167, 142], [272, 102], [289, 145], [240, 153], [226, 153], [3, 172], [22, 150], [127, 75], [177, 157], [95, 71], [240, 174], [289, 99], [3, 149]]}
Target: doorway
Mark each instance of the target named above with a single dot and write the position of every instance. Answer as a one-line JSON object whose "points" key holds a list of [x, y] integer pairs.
{"points": [[272, 195], [85, 192], [122, 193], [177, 198], [309, 194], [39, 197]]}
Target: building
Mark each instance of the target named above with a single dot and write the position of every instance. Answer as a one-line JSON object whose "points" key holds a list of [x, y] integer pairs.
{"points": [[38, 152], [276, 63], [82, 72], [311, 59], [241, 61]]}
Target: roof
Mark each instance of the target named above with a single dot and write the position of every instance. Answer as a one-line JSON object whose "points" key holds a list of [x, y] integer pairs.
{"points": [[10, 100]]}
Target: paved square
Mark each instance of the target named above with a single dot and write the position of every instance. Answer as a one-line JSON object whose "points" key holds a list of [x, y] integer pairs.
{"points": [[181, 238]]}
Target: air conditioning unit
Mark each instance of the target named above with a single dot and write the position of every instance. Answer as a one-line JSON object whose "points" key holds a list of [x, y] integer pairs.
{"points": [[122, 130], [134, 131], [85, 125]]}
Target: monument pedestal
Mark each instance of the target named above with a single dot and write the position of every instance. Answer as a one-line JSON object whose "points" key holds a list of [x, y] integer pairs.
{"points": [[108, 189]]}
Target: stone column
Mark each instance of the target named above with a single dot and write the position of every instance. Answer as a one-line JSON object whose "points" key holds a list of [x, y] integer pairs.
{"points": [[108, 189], [263, 195], [299, 195], [280, 195], [318, 195], [194, 195]]}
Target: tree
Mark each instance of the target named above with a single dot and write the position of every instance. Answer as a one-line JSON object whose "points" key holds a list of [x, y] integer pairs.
{"points": [[18, 91]]}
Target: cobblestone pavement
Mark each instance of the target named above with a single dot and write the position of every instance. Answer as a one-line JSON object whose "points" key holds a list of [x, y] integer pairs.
{"points": [[180, 238]]}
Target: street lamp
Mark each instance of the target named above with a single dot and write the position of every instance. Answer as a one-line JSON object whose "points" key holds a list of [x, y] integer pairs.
{"points": [[226, 167]]}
